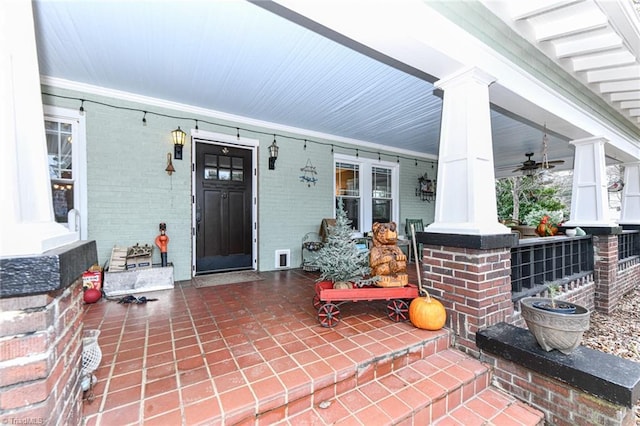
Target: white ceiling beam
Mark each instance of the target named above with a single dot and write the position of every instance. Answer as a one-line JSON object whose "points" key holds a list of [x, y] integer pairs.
{"points": [[612, 74], [634, 112], [625, 96], [605, 60], [527, 9], [587, 44], [620, 86], [630, 104], [577, 20]]}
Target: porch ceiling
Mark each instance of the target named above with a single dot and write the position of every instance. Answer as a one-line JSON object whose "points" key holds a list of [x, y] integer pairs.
{"points": [[238, 58]]}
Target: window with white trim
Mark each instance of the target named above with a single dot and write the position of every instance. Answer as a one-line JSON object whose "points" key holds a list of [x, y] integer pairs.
{"points": [[64, 131], [368, 189]]}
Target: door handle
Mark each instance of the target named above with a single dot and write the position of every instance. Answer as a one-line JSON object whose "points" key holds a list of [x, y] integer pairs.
{"points": [[198, 218]]}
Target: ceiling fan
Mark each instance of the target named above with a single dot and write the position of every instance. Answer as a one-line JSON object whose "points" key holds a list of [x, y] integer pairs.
{"points": [[530, 166]]}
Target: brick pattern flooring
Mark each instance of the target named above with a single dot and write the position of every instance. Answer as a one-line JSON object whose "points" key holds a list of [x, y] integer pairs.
{"points": [[223, 354]]}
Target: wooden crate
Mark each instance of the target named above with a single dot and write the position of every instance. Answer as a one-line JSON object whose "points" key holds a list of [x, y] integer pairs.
{"points": [[118, 260]]}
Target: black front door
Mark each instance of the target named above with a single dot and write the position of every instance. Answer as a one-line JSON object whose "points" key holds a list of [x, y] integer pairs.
{"points": [[223, 208]]}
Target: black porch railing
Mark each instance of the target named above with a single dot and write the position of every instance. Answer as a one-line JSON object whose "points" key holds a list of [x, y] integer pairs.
{"points": [[537, 262], [628, 244]]}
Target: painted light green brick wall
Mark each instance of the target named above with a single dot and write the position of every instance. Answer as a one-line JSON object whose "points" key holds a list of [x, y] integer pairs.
{"points": [[129, 193]]}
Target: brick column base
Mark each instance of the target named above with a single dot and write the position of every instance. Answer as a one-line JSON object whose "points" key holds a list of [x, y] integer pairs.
{"points": [[608, 294], [473, 284]]}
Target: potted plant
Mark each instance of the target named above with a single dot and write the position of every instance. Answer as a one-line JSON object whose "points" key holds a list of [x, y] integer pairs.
{"points": [[555, 324], [340, 260], [546, 222]]}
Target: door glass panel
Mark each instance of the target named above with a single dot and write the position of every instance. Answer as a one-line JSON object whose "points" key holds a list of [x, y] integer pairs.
{"points": [[210, 173], [237, 172], [225, 162], [210, 160], [224, 174]]}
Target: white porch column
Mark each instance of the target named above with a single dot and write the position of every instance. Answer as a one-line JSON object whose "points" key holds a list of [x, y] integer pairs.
{"points": [[589, 200], [630, 209], [27, 222], [466, 198]]}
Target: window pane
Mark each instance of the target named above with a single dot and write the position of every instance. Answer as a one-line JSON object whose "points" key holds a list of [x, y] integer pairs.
{"points": [[62, 194], [59, 149], [59, 137], [381, 211], [352, 207], [347, 180], [237, 175], [381, 182], [51, 125]]}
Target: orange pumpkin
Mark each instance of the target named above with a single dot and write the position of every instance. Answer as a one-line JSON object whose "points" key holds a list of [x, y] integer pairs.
{"points": [[427, 313]]}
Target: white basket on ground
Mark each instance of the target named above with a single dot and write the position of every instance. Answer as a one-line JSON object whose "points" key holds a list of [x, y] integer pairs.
{"points": [[91, 357]]}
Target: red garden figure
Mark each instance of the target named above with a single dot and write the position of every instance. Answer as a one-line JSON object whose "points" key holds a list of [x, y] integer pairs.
{"points": [[162, 241]]}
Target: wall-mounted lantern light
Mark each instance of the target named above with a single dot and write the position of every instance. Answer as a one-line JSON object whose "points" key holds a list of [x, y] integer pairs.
{"points": [[273, 154], [178, 137]]}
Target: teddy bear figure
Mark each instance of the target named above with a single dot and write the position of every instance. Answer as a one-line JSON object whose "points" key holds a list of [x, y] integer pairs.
{"points": [[385, 258]]}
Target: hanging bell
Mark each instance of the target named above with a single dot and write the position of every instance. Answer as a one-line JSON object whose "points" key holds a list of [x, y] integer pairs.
{"points": [[169, 168]]}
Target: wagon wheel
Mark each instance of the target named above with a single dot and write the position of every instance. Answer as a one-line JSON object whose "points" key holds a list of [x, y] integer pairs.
{"points": [[317, 302], [398, 310], [329, 315]]}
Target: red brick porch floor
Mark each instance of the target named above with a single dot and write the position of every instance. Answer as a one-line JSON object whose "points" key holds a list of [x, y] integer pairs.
{"points": [[201, 355]]}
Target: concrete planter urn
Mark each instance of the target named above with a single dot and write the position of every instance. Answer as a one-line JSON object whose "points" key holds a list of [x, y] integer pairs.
{"points": [[555, 330]]}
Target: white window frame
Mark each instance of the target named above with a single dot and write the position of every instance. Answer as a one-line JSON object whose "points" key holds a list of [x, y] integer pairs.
{"points": [[79, 160], [365, 167]]}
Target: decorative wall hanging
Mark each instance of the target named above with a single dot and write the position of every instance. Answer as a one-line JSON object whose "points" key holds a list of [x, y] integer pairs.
{"points": [[310, 173], [426, 188]]}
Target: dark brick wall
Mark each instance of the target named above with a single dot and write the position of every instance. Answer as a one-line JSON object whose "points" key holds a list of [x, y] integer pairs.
{"points": [[40, 358]]}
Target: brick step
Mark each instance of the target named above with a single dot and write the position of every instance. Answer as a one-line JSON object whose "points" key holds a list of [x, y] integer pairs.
{"points": [[492, 406], [307, 395], [444, 387]]}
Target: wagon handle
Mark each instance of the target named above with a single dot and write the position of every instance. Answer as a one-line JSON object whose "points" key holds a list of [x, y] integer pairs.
{"points": [[415, 252]]}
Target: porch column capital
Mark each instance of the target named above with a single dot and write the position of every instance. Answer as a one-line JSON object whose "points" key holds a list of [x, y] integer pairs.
{"points": [[466, 200], [465, 76], [589, 197], [630, 209]]}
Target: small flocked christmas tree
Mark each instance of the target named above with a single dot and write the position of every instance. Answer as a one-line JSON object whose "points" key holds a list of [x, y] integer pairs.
{"points": [[340, 259]]}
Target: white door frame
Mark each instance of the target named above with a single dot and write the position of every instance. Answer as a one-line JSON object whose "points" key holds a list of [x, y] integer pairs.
{"points": [[212, 138]]}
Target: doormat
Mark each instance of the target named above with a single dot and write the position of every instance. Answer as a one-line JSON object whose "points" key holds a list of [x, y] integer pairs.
{"points": [[225, 278]]}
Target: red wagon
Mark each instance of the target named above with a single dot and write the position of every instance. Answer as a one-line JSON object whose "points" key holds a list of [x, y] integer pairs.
{"points": [[327, 300]]}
